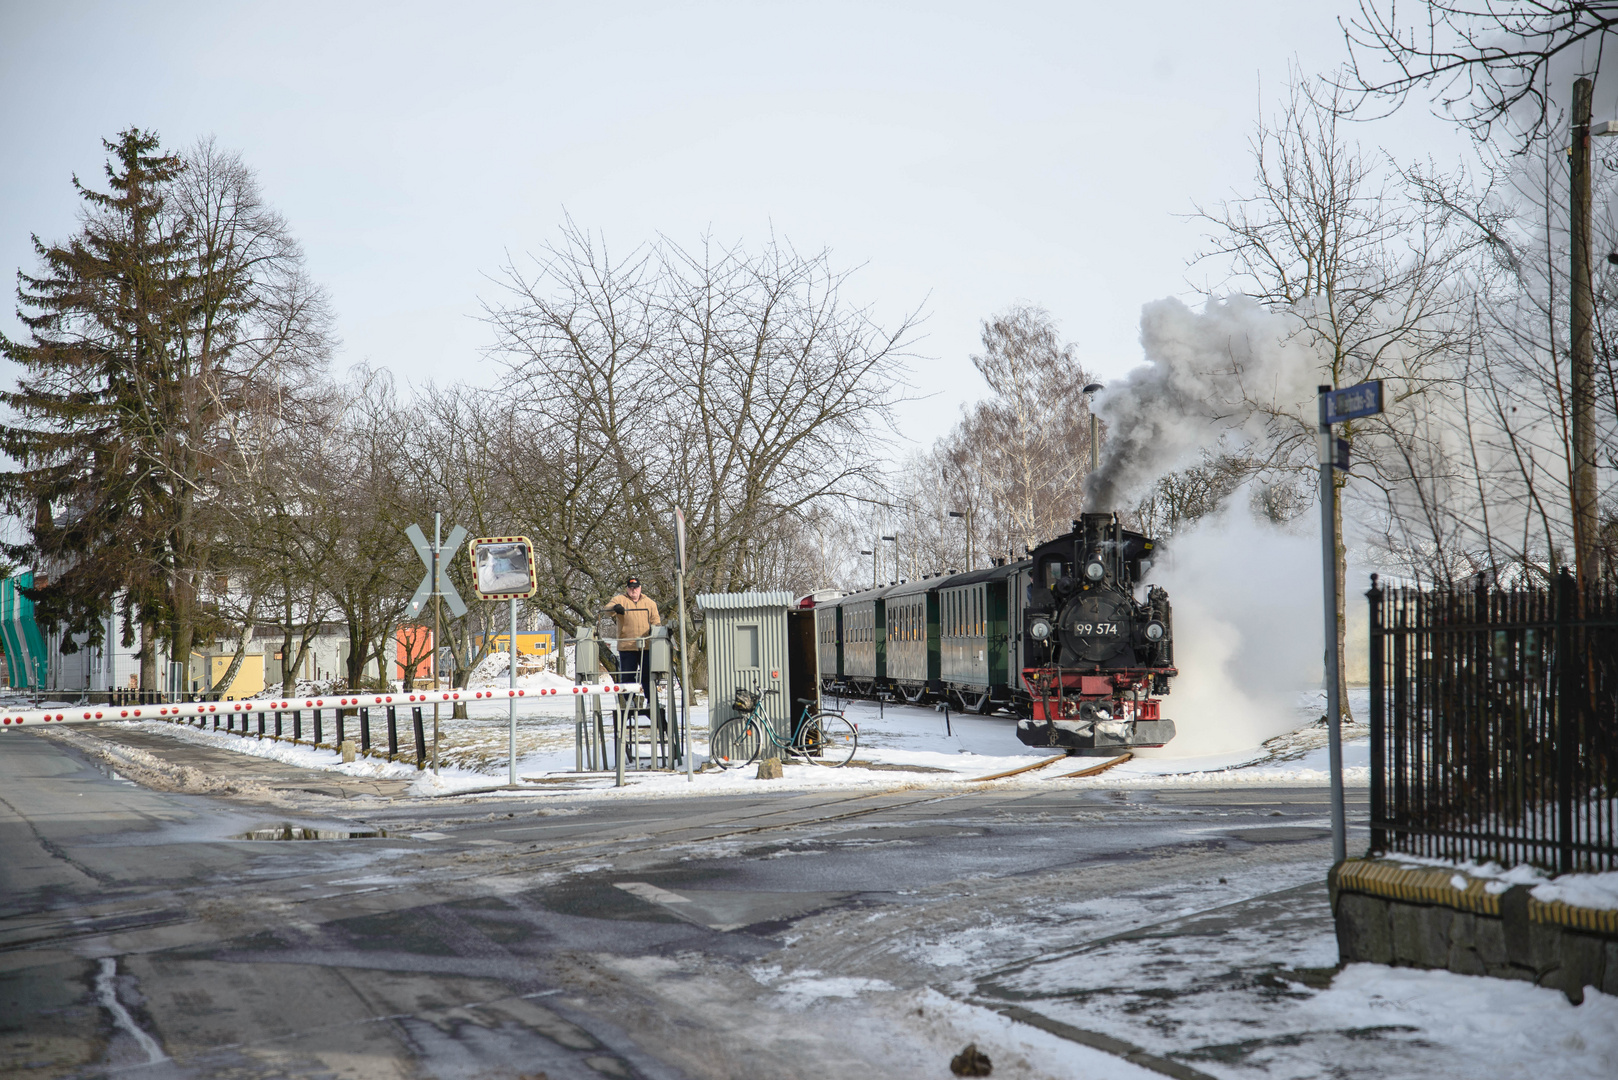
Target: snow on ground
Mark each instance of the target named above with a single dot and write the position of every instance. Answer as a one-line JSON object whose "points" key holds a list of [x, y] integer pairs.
{"points": [[899, 745], [1483, 1027], [1247, 990]]}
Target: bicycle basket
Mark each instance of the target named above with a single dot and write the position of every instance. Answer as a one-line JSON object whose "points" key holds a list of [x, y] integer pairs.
{"points": [[745, 700]]}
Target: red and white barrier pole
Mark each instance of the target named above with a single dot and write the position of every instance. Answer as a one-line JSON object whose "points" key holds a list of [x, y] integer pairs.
{"points": [[101, 714]]}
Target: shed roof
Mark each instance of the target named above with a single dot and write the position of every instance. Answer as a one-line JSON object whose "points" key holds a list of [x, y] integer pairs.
{"points": [[736, 600]]}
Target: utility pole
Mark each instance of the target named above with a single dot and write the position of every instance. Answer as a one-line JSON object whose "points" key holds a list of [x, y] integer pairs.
{"points": [[895, 539], [873, 556], [1582, 317]]}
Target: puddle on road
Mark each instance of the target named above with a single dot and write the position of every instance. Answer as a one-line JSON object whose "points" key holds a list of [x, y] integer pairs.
{"points": [[106, 769], [1278, 834], [303, 832]]}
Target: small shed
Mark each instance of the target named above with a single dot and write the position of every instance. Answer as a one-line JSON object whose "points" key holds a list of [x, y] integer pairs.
{"points": [[754, 642]]}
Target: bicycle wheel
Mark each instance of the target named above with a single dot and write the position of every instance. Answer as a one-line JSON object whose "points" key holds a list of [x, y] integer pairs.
{"points": [[828, 739], [736, 743]]}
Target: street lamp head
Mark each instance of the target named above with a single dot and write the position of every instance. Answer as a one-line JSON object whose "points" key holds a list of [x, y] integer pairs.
{"points": [[895, 539], [1093, 387], [956, 513], [864, 552]]}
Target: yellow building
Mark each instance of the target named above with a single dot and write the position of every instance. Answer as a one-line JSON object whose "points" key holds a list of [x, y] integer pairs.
{"points": [[249, 681], [541, 643]]}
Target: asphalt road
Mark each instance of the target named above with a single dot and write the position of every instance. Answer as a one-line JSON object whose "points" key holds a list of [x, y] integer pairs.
{"points": [[147, 933]]}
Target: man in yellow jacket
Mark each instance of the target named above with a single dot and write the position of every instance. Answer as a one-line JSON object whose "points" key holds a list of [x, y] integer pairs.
{"points": [[636, 615]]}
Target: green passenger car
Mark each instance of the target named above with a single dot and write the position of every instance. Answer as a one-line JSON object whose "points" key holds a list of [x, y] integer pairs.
{"points": [[865, 640], [913, 646], [974, 655]]}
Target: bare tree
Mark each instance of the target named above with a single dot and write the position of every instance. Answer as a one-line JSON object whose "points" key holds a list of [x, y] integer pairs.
{"points": [[1512, 443], [1369, 278], [257, 329], [1023, 452], [1187, 495], [369, 571], [738, 385], [1484, 63]]}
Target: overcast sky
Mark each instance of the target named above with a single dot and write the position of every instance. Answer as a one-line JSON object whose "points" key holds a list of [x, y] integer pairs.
{"points": [[966, 156]]}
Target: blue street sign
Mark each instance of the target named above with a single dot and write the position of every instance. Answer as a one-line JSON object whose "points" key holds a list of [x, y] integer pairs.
{"points": [[1351, 403]]}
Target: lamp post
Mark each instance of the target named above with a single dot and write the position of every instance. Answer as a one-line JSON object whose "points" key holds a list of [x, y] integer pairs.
{"points": [[1095, 426], [968, 516], [895, 539], [873, 556]]}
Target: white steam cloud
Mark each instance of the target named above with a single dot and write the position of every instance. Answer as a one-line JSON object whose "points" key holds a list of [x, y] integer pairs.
{"points": [[1247, 631], [1204, 371], [1246, 594]]}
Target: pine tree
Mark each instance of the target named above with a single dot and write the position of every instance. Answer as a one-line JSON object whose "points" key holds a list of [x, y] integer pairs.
{"points": [[166, 339], [91, 409]]}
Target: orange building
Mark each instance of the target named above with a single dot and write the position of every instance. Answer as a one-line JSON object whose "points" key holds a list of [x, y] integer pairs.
{"points": [[415, 644]]}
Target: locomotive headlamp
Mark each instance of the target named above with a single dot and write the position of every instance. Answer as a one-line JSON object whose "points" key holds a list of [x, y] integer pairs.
{"points": [[1039, 630], [1155, 631], [1094, 570]]}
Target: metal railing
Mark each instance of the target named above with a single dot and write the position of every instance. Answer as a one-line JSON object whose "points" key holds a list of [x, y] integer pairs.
{"points": [[1494, 725]]}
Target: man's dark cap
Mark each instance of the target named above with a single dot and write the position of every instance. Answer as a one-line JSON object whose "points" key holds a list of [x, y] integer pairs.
{"points": [[631, 581]]}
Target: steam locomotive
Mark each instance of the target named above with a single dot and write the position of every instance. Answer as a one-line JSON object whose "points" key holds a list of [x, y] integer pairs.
{"points": [[1060, 640]]}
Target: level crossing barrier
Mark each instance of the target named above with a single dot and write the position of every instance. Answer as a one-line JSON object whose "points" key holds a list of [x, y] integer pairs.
{"points": [[255, 717]]}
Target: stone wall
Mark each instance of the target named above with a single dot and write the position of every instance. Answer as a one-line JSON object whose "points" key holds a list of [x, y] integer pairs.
{"points": [[1435, 917]]}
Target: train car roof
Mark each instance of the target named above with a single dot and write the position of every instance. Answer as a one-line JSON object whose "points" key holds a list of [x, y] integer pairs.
{"points": [[911, 588], [869, 594], [992, 573]]}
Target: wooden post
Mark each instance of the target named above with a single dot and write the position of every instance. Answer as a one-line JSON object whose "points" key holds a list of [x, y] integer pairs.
{"points": [[1581, 314]]}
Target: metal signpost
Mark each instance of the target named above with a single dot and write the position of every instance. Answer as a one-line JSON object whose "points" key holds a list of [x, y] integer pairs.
{"points": [[503, 569], [685, 685], [1337, 406], [437, 585]]}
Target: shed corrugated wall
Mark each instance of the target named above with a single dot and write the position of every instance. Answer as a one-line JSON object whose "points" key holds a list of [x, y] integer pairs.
{"points": [[747, 640]]}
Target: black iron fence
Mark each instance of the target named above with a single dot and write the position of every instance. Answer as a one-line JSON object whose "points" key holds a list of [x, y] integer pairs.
{"points": [[1494, 725]]}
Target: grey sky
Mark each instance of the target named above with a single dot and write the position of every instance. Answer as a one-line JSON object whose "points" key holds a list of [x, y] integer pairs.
{"points": [[967, 155]]}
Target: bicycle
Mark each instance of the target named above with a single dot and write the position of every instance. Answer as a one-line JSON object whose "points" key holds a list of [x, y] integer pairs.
{"points": [[824, 738]]}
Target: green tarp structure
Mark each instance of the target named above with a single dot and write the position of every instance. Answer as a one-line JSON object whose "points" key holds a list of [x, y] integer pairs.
{"points": [[25, 647]]}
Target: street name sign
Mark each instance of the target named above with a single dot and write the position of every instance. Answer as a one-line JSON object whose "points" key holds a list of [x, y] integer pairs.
{"points": [[1351, 402]]}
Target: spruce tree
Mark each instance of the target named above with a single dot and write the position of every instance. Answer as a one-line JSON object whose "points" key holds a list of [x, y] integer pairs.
{"points": [[94, 408]]}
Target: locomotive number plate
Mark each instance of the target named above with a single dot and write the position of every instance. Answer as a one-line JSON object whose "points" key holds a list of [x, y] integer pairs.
{"points": [[1100, 629]]}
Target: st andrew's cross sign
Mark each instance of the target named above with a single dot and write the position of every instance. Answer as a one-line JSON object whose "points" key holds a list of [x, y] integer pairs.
{"points": [[442, 586]]}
